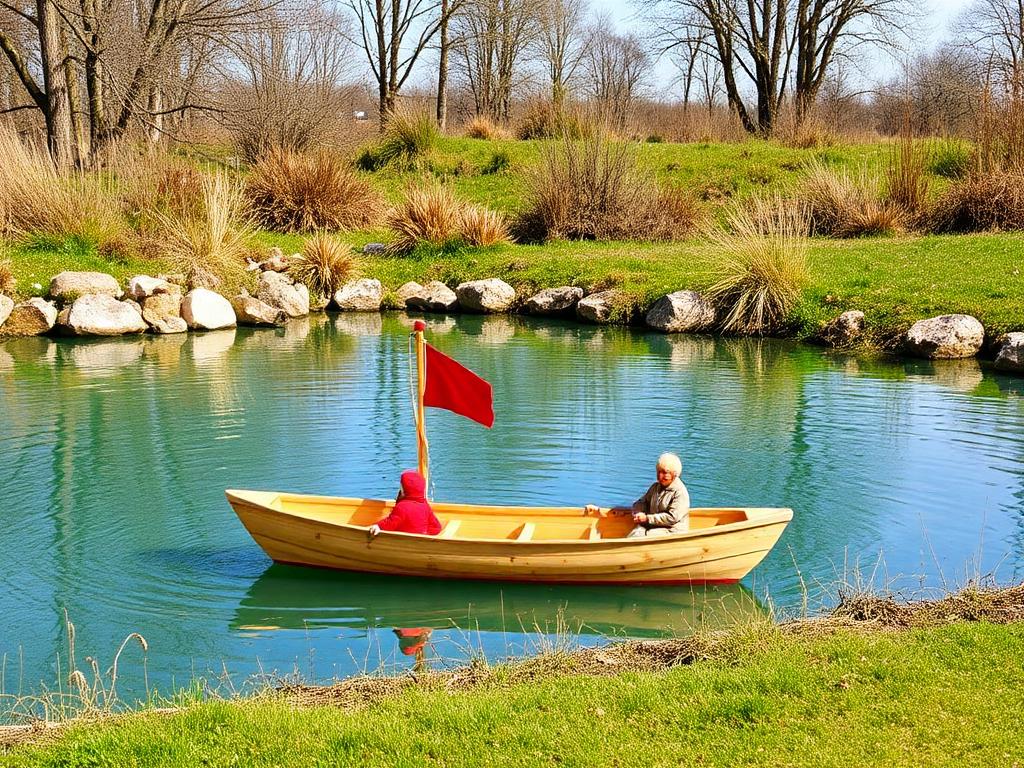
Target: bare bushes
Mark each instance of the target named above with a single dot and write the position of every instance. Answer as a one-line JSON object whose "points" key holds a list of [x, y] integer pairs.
{"points": [[37, 198], [209, 247], [290, 192], [324, 265], [432, 214], [595, 190], [841, 205], [761, 265], [982, 202]]}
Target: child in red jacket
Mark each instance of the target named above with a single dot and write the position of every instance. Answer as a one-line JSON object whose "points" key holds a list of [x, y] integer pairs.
{"points": [[412, 512]]}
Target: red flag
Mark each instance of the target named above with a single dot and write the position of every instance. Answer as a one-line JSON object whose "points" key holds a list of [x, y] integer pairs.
{"points": [[452, 386]]}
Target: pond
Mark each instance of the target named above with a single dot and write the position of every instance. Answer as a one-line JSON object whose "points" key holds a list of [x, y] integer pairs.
{"points": [[116, 453]]}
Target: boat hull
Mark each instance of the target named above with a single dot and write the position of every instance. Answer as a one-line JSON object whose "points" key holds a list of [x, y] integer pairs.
{"points": [[329, 532]]}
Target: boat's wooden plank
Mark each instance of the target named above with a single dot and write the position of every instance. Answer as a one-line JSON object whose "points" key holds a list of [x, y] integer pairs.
{"points": [[450, 529]]}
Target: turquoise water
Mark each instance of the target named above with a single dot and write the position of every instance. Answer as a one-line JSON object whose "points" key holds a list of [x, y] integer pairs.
{"points": [[116, 454]]}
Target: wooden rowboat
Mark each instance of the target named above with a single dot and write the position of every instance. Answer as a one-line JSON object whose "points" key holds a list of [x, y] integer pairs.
{"points": [[542, 544]]}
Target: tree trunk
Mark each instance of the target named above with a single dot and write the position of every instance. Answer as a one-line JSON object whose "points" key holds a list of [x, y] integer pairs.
{"points": [[58, 112], [74, 102], [442, 71]]}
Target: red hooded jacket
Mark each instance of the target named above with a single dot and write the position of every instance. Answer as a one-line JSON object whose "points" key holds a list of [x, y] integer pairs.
{"points": [[412, 513]]}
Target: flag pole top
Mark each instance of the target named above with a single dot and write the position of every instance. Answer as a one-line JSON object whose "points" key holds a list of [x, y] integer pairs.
{"points": [[419, 325]]}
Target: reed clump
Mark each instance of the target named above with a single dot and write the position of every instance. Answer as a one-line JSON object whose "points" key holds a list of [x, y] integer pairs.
{"points": [[290, 192], [408, 138], [761, 265], [432, 214], [839, 204], [324, 265]]}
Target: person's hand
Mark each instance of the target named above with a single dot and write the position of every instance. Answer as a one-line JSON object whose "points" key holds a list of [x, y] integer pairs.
{"points": [[374, 529], [591, 509], [640, 517]]}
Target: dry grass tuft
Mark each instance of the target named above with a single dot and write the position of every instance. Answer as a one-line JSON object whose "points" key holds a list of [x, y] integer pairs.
{"points": [[482, 127], [7, 281], [156, 182], [290, 192], [907, 179], [483, 226], [594, 189], [325, 264], [986, 201], [762, 265], [209, 248], [998, 605], [839, 205], [407, 139], [36, 198]]}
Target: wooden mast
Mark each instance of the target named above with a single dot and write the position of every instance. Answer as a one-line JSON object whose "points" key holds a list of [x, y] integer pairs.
{"points": [[421, 386]]}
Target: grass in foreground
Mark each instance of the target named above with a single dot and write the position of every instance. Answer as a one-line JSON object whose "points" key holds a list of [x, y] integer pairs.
{"points": [[940, 696]]}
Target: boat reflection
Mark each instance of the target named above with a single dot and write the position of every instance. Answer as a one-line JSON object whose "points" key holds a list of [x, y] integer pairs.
{"points": [[288, 597]]}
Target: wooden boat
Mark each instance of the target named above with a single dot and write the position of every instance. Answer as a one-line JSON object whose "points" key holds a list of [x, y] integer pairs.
{"points": [[286, 598], [542, 544], [552, 544]]}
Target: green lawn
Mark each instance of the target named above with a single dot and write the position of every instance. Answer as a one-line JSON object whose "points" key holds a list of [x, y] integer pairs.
{"points": [[943, 696]]}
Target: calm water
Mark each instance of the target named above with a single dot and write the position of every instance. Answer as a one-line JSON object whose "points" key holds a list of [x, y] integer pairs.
{"points": [[115, 455]]}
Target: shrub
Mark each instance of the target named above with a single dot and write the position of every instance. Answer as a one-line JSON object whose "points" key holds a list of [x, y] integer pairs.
{"points": [[483, 226], [982, 202], [951, 159], [482, 127], [304, 193], [843, 206], [209, 248], [37, 198], [430, 213], [500, 161], [536, 122], [324, 265], [762, 265], [594, 190]]}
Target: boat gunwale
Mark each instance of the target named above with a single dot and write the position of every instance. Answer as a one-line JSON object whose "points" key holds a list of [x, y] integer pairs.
{"points": [[768, 516]]}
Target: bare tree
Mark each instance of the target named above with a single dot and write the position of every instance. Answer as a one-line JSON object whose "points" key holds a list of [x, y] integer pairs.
{"points": [[993, 30], [384, 26], [562, 43], [616, 66], [493, 35]]}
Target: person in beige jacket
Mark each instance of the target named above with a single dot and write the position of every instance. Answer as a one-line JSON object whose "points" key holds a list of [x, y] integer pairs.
{"points": [[665, 508]]}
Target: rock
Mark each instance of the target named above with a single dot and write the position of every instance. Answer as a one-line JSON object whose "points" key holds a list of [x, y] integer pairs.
{"points": [[205, 310], [141, 286], [946, 336], [554, 301], [845, 329], [1011, 352], [375, 249], [97, 314], [6, 305], [252, 311], [282, 292], [597, 307], [68, 286], [30, 318], [488, 295], [435, 296], [681, 312], [163, 313], [203, 278], [359, 296], [408, 289], [318, 303]]}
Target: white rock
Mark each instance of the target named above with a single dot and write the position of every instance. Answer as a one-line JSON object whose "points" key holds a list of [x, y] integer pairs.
{"points": [[435, 296], [6, 305], [946, 336], [30, 318], [141, 286], [359, 296], [281, 291], [97, 314], [554, 301], [1011, 353], [68, 286], [681, 312], [408, 289], [488, 295], [597, 307], [205, 310]]}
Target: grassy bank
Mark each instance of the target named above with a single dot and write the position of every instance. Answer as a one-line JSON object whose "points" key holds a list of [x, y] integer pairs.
{"points": [[941, 696]]}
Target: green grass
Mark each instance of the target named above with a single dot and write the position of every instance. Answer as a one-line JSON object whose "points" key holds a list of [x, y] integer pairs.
{"points": [[945, 696]]}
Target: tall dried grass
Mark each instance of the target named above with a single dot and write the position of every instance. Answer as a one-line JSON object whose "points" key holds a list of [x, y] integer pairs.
{"points": [[432, 214], [324, 265], [907, 181], [482, 127], [7, 281], [209, 248], [984, 201], [594, 189], [408, 138], [152, 181], [762, 265], [841, 205], [39, 199], [290, 192], [484, 226]]}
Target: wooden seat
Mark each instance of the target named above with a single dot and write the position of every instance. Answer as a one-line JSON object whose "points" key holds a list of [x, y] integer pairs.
{"points": [[526, 533], [450, 529]]}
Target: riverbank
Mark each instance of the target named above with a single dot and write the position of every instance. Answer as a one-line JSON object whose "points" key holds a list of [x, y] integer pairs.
{"points": [[875, 683]]}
